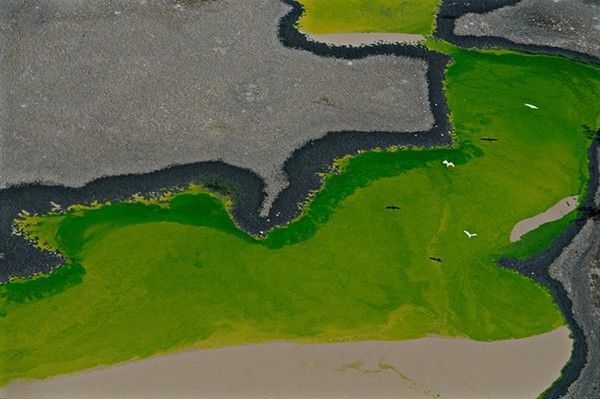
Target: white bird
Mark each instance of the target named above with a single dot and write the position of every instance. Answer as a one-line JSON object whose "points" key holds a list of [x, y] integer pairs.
{"points": [[531, 106], [55, 207], [448, 163], [470, 235]]}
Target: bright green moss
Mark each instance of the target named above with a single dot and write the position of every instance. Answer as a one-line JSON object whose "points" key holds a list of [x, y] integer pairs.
{"points": [[341, 16]]}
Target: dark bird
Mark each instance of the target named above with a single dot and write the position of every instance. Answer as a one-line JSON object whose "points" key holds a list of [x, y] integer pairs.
{"points": [[439, 260], [392, 207], [489, 139]]}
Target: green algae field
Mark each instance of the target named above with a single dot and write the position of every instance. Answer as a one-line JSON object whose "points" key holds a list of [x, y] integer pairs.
{"points": [[403, 16], [148, 276]]}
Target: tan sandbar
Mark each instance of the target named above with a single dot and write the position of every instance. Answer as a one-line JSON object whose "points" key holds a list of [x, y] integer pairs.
{"points": [[422, 368], [361, 39], [558, 211]]}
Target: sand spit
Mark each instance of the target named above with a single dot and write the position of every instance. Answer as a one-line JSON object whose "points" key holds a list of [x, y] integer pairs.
{"points": [[556, 212], [361, 39], [423, 368]]}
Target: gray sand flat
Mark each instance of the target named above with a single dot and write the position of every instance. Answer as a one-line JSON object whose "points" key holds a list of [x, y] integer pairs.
{"points": [[361, 39], [423, 368], [105, 88], [556, 212], [568, 24]]}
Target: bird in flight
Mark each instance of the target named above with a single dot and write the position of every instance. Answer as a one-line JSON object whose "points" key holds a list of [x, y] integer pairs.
{"points": [[470, 235], [392, 207], [448, 163], [531, 106], [439, 260]]}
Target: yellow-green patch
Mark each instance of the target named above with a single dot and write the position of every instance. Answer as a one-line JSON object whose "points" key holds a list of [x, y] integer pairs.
{"points": [[342, 16]]}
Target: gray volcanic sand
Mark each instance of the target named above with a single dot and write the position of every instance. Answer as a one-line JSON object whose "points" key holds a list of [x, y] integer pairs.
{"points": [[557, 211], [105, 88], [568, 24], [423, 368]]}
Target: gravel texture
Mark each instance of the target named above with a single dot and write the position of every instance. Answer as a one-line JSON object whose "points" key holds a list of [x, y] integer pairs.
{"points": [[568, 24], [105, 88]]}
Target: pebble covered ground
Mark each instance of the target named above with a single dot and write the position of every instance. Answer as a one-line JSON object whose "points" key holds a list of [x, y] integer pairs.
{"points": [[101, 89]]}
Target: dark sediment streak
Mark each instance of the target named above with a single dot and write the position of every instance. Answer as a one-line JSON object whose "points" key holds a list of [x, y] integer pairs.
{"points": [[21, 259], [537, 268], [451, 10]]}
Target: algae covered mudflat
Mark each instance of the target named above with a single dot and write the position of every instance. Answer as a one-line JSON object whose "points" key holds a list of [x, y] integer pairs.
{"points": [[397, 244], [337, 16], [348, 268]]}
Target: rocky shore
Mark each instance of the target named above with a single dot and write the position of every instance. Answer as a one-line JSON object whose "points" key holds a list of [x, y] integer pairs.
{"points": [[495, 24], [572, 25], [578, 269]]}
